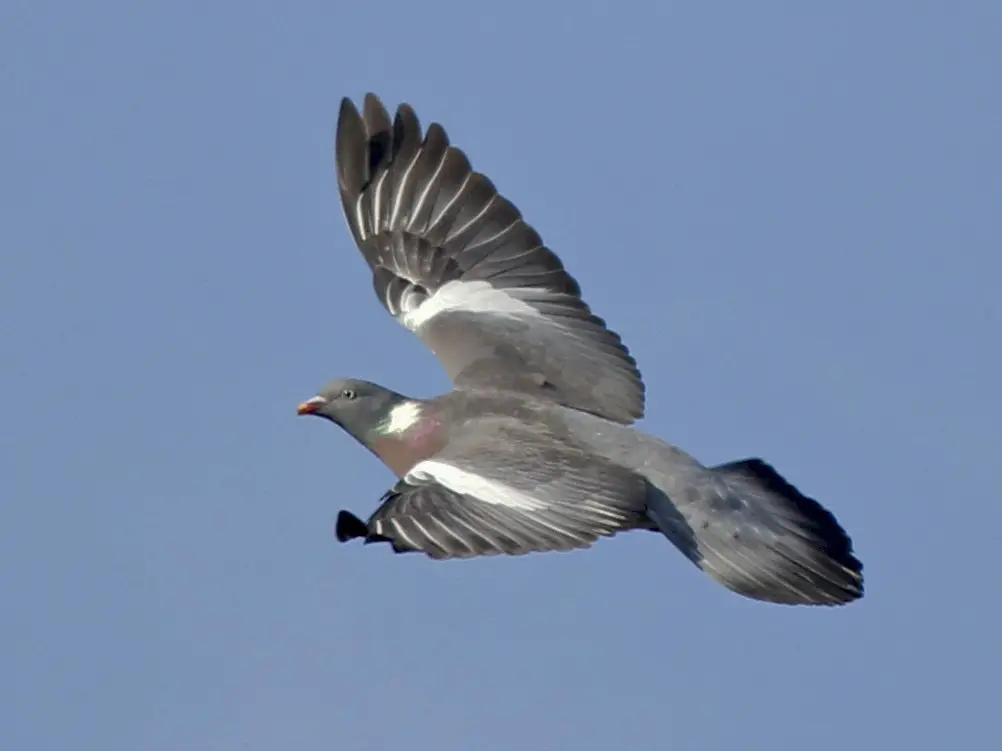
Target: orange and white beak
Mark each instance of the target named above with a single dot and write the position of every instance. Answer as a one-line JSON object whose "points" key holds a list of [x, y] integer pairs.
{"points": [[310, 405]]}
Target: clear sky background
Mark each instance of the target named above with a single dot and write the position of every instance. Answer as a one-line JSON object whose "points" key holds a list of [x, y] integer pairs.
{"points": [[792, 213]]}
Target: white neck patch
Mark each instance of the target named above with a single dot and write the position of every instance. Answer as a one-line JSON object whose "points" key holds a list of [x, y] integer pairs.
{"points": [[402, 417]]}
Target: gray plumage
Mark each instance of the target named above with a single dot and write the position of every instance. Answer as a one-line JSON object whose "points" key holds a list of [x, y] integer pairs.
{"points": [[533, 450], [424, 219]]}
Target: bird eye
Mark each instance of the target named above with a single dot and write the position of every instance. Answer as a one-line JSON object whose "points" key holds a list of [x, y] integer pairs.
{"points": [[348, 394]]}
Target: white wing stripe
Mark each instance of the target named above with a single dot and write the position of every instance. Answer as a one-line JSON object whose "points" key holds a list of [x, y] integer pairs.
{"points": [[419, 200], [467, 483], [434, 540], [474, 297], [377, 204], [402, 533], [401, 191], [458, 198], [456, 231], [452, 533], [360, 214]]}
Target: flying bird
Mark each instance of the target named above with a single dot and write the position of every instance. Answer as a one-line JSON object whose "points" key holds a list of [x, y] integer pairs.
{"points": [[534, 449]]}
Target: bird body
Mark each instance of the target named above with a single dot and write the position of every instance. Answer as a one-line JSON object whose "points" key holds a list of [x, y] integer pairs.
{"points": [[534, 449]]}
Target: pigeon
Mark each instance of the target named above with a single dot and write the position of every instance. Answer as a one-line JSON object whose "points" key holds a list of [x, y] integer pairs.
{"points": [[534, 449]]}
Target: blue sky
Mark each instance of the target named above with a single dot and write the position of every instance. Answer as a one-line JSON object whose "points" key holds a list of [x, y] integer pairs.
{"points": [[790, 211]]}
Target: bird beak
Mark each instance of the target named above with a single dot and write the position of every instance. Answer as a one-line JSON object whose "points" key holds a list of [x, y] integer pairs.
{"points": [[310, 405]]}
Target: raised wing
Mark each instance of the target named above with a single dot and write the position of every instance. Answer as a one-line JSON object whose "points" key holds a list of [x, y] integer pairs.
{"points": [[491, 498], [454, 262]]}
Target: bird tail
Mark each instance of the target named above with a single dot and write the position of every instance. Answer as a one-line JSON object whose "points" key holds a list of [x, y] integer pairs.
{"points": [[747, 527]]}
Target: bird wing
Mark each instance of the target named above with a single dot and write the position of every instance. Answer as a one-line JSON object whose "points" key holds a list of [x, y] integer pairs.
{"points": [[455, 263], [507, 490]]}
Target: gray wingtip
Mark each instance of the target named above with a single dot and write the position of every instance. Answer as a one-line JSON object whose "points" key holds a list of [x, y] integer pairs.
{"points": [[376, 118], [347, 106]]}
